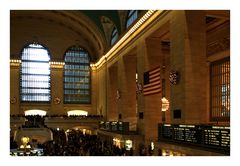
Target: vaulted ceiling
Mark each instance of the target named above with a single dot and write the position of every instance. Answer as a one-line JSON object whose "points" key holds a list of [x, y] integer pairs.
{"points": [[60, 29], [101, 17]]}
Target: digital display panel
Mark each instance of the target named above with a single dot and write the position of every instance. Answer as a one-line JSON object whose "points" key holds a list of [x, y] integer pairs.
{"points": [[216, 137]]}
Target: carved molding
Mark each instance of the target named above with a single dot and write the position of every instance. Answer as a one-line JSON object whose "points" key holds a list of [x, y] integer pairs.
{"points": [[218, 46], [13, 100], [57, 100]]}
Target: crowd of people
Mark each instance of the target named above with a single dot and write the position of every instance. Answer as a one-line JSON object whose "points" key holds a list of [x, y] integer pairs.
{"points": [[79, 144], [75, 142], [57, 115], [37, 121], [33, 121]]}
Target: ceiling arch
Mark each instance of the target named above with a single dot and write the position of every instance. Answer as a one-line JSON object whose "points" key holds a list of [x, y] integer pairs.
{"points": [[60, 29], [55, 27], [96, 17]]}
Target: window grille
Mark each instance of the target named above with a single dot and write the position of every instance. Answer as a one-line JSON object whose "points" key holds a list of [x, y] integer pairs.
{"points": [[132, 16], [35, 74], [114, 36], [76, 76], [220, 90]]}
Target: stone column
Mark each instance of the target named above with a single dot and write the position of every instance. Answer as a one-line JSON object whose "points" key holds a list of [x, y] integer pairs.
{"points": [[141, 52], [94, 92], [14, 90], [152, 103], [188, 57], [112, 93], [57, 90], [102, 90], [127, 89]]}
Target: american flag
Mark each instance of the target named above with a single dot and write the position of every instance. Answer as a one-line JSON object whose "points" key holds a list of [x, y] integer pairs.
{"points": [[152, 82]]}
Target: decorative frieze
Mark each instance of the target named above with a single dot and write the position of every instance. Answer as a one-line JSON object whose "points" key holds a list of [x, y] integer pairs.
{"points": [[218, 46]]}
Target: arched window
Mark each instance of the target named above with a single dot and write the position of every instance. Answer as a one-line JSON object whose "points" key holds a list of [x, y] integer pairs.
{"points": [[35, 74], [76, 76], [131, 17], [114, 36]]}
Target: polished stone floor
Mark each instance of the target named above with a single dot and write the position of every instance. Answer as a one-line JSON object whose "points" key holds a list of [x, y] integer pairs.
{"points": [[178, 150]]}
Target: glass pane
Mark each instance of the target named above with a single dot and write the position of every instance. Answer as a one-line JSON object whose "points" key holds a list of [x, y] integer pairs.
{"points": [[220, 89], [132, 16], [35, 74], [76, 70]]}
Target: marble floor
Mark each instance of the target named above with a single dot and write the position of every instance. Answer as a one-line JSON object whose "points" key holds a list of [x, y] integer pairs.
{"points": [[178, 150]]}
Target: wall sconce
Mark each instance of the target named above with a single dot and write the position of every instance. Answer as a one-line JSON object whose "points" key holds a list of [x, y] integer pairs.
{"points": [[165, 104]]}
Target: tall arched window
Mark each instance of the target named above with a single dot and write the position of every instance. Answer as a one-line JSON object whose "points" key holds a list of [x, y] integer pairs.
{"points": [[131, 17], [35, 74], [76, 76], [114, 36]]}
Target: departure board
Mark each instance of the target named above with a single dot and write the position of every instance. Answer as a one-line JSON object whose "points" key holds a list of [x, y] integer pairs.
{"points": [[178, 133], [212, 137], [102, 125], [167, 131], [192, 135], [114, 126], [188, 133], [225, 138], [120, 126], [107, 125], [215, 137]]}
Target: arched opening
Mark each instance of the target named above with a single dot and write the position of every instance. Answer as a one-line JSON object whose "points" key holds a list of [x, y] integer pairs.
{"points": [[77, 76], [35, 74], [35, 112], [77, 113]]}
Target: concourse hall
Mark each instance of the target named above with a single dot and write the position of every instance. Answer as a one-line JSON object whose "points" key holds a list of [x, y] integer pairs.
{"points": [[119, 83]]}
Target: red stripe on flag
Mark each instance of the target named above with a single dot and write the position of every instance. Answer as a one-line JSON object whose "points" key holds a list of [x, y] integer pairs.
{"points": [[154, 85]]}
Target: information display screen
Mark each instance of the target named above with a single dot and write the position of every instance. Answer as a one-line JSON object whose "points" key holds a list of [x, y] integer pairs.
{"points": [[107, 125], [114, 126], [120, 126], [167, 131], [192, 135], [225, 138], [187, 133], [178, 133], [102, 125], [217, 137]]}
